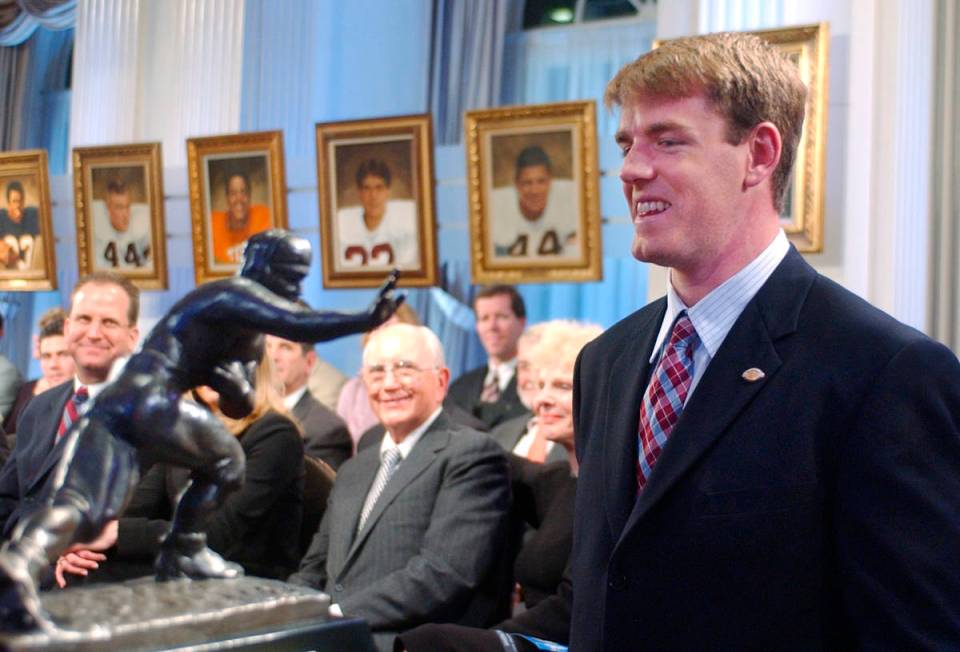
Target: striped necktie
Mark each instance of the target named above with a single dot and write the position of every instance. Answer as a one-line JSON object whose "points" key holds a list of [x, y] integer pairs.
{"points": [[667, 392], [71, 411], [491, 389], [391, 459]]}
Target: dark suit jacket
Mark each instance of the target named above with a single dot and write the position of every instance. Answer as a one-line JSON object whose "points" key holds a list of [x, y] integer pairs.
{"points": [[430, 541], [509, 432], [465, 392], [37, 451], [325, 435], [258, 526], [814, 509]]}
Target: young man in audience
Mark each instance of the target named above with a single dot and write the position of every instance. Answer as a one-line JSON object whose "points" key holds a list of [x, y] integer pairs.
{"points": [[100, 329], [325, 435], [415, 524], [490, 392]]}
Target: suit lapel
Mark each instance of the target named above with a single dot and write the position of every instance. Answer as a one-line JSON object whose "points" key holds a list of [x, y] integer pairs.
{"points": [[353, 492], [629, 372], [47, 447], [722, 393], [302, 408], [423, 454]]}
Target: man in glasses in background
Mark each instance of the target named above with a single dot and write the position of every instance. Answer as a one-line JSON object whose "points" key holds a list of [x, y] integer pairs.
{"points": [[415, 524]]}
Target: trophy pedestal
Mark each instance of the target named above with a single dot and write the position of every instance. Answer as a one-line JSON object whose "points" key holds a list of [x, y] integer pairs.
{"points": [[248, 613]]}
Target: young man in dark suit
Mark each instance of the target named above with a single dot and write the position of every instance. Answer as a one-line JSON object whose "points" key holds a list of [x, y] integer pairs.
{"points": [[767, 462], [490, 392], [101, 328], [325, 435]]}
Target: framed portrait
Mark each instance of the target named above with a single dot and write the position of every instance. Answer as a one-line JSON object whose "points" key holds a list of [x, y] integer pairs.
{"points": [[237, 188], [26, 231], [118, 197], [534, 202], [375, 187], [802, 217]]}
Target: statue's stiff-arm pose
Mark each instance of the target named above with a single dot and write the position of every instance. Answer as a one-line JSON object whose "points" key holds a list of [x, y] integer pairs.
{"points": [[213, 336]]}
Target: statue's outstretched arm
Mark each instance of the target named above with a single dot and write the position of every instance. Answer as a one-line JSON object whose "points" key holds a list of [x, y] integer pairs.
{"points": [[250, 305]]}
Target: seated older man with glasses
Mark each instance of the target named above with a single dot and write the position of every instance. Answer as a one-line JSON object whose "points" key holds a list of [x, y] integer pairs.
{"points": [[415, 524]]}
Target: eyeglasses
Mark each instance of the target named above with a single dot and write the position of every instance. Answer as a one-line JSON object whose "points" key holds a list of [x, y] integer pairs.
{"points": [[404, 371]]}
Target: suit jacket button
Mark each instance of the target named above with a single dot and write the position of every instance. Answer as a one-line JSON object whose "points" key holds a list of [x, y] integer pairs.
{"points": [[338, 587], [618, 582]]}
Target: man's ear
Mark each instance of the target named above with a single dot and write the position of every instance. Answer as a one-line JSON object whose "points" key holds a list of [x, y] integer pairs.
{"points": [[311, 358], [764, 146]]}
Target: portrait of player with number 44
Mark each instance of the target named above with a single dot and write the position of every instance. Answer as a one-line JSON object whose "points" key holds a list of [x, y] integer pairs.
{"points": [[119, 204]]}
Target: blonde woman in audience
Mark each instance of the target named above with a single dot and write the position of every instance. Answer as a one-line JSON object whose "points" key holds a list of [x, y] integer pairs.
{"points": [[543, 496], [257, 526]]}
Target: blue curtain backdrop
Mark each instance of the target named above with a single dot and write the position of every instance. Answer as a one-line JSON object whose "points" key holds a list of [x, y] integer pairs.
{"points": [[34, 114], [307, 62], [311, 62]]}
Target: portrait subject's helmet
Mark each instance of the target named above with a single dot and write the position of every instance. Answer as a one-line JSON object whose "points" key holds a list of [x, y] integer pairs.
{"points": [[277, 260]]}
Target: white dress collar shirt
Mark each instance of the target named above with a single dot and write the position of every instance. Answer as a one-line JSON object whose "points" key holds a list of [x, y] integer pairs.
{"points": [[294, 397], [406, 446], [714, 315]]}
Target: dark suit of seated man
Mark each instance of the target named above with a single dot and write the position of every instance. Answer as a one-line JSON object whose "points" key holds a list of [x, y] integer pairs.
{"points": [[325, 435], [490, 392], [415, 525], [101, 328]]}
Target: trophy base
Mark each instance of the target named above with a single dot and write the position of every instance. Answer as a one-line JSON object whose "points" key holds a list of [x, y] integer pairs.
{"points": [[244, 613]]}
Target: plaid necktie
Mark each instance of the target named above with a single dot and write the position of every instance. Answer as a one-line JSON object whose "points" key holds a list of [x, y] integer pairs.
{"points": [[663, 401], [71, 411], [391, 459], [491, 389]]}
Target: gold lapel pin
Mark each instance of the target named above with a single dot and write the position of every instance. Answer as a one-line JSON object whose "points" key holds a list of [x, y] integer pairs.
{"points": [[753, 374]]}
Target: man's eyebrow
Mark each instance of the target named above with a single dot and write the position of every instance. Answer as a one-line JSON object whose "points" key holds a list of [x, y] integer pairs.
{"points": [[655, 129], [658, 128]]}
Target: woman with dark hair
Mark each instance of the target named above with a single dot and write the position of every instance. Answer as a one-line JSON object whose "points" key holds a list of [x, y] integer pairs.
{"points": [[257, 526]]}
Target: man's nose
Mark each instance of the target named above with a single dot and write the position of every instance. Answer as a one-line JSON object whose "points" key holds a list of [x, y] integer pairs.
{"points": [[636, 167]]}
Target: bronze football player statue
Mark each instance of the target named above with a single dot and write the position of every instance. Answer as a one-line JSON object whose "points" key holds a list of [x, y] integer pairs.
{"points": [[213, 336]]}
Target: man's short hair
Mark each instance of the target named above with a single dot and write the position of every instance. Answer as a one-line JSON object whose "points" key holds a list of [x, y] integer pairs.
{"points": [[15, 186], [412, 332], [51, 329], [117, 187], [532, 156], [746, 79], [373, 167], [516, 301], [242, 175], [110, 278]]}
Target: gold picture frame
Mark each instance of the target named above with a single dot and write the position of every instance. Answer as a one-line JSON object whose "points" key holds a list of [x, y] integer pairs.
{"points": [[237, 188], [375, 189], [808, 47], [118, 198], [26, 230], [532, 177]]}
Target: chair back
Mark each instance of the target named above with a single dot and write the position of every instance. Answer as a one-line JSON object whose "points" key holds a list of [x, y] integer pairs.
{"points": [[317, 482]]}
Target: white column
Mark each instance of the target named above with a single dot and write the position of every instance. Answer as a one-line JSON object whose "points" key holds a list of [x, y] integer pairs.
{"points": [[887, 239], [156, 71], [192, 56], [105, 68]]}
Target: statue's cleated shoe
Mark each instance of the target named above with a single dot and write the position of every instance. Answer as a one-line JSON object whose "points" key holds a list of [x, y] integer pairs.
{"points": [[203, 564]]}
